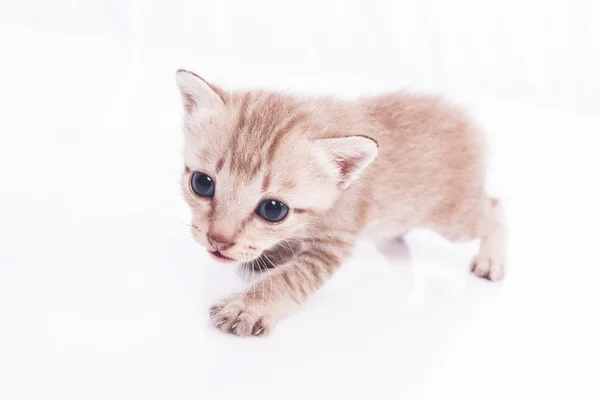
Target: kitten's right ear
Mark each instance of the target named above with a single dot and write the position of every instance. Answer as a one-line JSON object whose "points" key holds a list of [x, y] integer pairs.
{"points": [[196, 92]]}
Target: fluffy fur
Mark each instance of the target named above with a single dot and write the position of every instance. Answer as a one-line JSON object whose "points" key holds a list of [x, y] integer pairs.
{"points": [[375, 167]]}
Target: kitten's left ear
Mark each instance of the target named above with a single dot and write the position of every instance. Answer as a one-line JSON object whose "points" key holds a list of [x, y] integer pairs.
{"points": [[346, 157], [197, 93]]}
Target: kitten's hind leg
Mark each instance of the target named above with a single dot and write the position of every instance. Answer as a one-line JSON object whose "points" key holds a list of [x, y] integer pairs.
{"points": [[490, 261], [486, 222]]}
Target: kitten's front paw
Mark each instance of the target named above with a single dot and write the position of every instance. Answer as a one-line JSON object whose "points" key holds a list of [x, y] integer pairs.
{"points": [[233, 315]]}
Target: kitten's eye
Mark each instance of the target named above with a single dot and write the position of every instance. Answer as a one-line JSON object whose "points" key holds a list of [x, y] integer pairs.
{"points": [[203, 185], [272, 210]]}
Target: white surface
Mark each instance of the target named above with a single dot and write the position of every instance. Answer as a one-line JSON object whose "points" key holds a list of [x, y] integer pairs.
{"points": [[536, 49], [102, 294]]}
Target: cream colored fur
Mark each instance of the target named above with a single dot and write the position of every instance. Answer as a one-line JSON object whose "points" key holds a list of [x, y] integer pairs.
{"points": [[377, 166]]}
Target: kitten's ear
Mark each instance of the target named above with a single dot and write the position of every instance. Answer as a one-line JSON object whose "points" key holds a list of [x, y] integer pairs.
{"points": [[345, 158], [196, 92]]}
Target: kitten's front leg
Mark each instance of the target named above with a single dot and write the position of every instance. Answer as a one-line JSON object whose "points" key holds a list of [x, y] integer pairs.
{"points": [[281, 290]]}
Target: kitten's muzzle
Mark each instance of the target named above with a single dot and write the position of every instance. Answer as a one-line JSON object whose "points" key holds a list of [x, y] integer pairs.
{"points": [[219, 242]]}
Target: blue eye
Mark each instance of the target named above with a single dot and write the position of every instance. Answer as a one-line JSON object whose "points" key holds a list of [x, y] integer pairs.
{"points": [[272, 210], [203, 185]]}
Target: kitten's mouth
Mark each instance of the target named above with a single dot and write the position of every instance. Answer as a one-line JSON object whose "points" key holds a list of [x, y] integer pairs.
{"points": [[217, 255]]}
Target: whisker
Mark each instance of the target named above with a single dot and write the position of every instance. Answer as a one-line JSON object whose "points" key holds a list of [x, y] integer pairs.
{"points": [[176, 221], [186, 235], [242, 269], [281, 274], [262, 281], [270, 281], [253, 290], [251, 284], [290, 247]]}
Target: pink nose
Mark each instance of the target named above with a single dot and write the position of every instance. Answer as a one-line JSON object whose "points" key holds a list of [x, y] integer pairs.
{"points": [[219, 242]]}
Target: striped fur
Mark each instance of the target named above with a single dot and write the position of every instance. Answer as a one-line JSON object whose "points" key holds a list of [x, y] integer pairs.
{"points": [[377, 166]]}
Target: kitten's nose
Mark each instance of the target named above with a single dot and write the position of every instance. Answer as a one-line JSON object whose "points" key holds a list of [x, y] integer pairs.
{"points": [[219, 242]]}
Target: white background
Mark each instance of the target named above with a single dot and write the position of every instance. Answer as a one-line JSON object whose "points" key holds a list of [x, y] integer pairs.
{"points": [[104, 296]]}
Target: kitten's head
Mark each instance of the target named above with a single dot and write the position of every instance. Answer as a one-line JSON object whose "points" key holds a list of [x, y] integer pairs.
{"points": [[255, 172]]}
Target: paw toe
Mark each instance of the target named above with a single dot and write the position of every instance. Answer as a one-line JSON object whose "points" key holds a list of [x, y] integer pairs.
{"points": [[260, 328], [496, 274], [487, 268]]}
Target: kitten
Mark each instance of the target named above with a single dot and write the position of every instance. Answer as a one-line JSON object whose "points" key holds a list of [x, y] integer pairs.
{"points": [[293, 182]]}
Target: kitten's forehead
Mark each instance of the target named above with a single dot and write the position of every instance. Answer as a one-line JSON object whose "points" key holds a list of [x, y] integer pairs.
{"points": [[246, 134], [265, 122], [259, 143]]}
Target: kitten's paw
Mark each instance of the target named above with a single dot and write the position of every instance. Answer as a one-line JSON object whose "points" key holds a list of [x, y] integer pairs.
{"points": [[491, 268], [233, 315]]}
